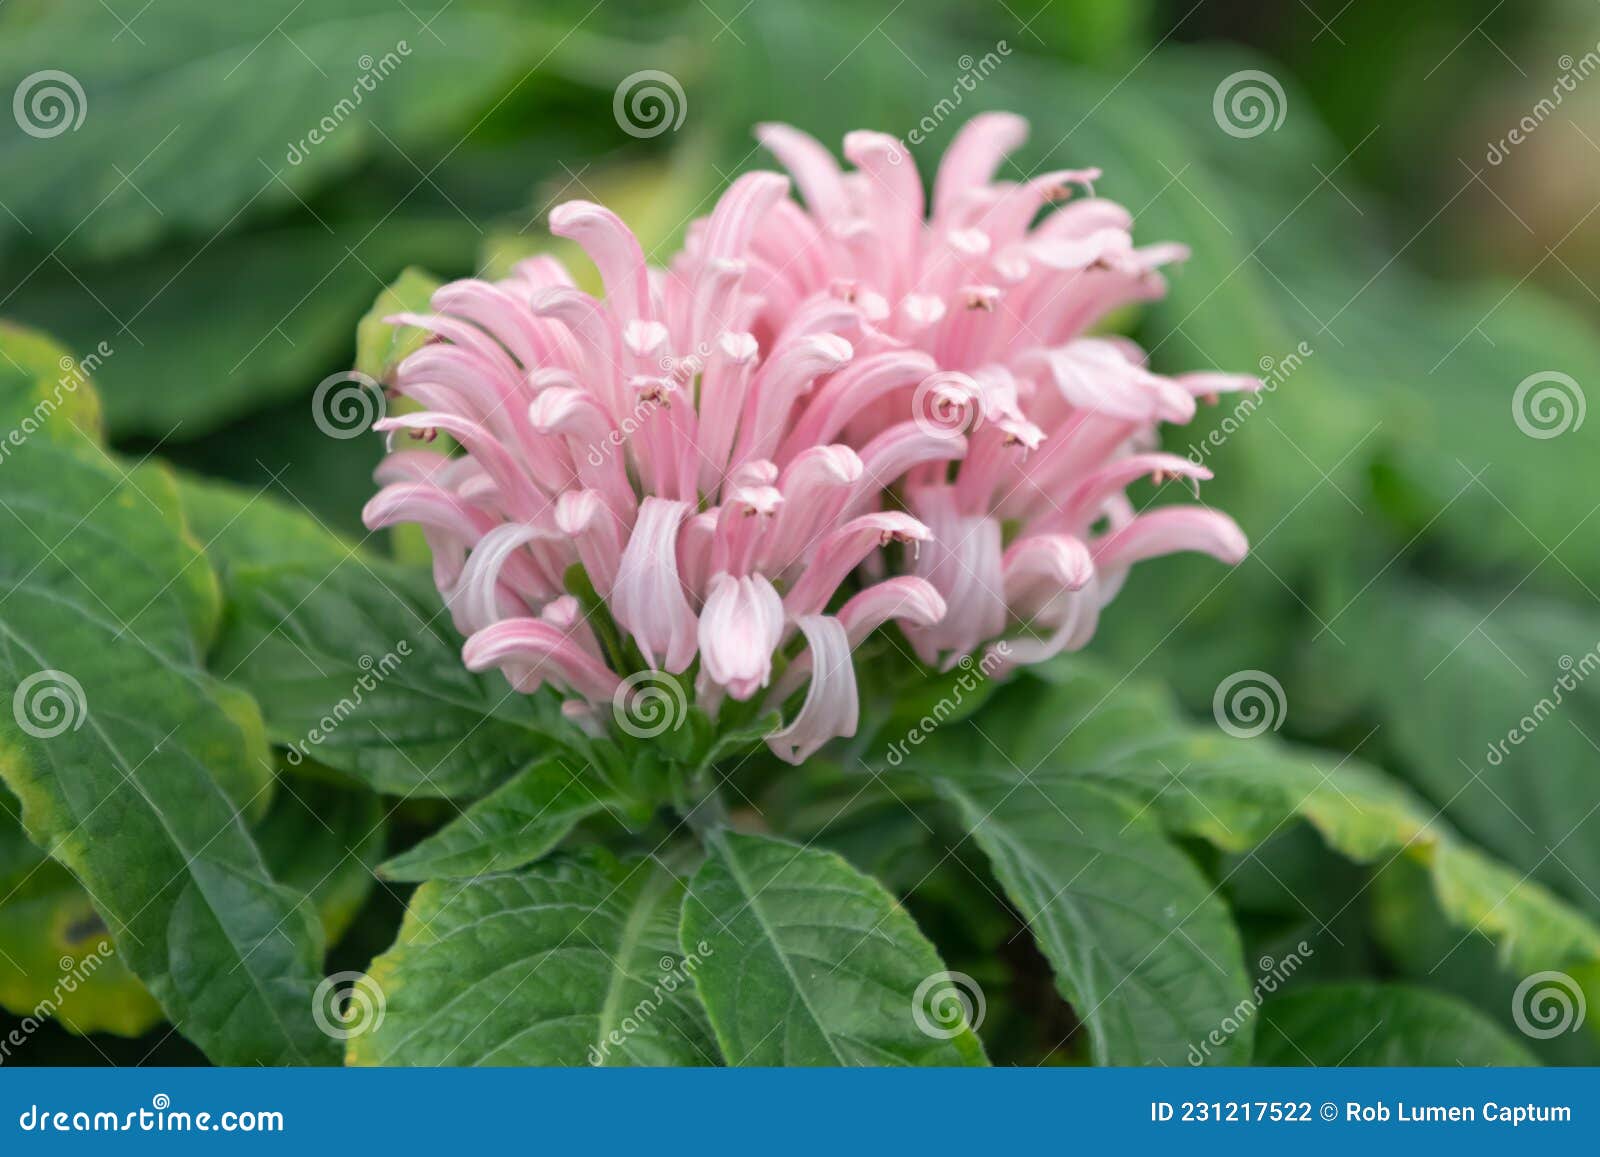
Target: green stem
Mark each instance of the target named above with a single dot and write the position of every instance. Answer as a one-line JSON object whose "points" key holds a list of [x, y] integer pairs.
{"points": [[707, 817]]}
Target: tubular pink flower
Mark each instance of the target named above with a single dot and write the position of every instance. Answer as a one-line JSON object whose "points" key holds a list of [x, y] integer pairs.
{"points": [[740, 627], [727, 445], [1167, 530], [614, 250], [1049, 426]]}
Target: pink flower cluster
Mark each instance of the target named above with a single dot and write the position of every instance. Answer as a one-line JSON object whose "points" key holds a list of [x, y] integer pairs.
{"points": [[817, 419]]}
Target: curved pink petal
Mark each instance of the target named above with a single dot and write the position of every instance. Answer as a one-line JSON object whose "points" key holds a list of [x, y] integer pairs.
{"points": [[648, 598], [1169, 530], [831, 709], [545, 652], [914, 601], [974, 155], [842, 551]]}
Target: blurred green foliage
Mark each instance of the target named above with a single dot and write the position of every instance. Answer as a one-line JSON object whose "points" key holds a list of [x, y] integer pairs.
{"points": [[1424, 570]]}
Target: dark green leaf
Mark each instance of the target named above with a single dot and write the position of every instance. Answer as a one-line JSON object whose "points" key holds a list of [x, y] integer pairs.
{"points": [[325, 843], [513, 825], [808, 962], [1237, 792], [194, 346], [356, 665], [1492, 706], [1373, 1025], [175, 132], [354, 660], [1143, 948], [135, 768], [573, 962]]}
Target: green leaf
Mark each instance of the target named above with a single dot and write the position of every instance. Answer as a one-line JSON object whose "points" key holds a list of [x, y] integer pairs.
{"points": [[174, 132], [1422, 946], [135, 768], [1492, 707], [239, 527], [1416, 378], [1077, 719], [573, 962], [325, 843], [1379, 1025], [515, 824], [354, 660], [356, 665], [1143, 948], [1292, 894], [1471, 452], [275, 450], [44, 391], [380, 346], [56, 956], [873, 824], [808, 962], [199, 350]]}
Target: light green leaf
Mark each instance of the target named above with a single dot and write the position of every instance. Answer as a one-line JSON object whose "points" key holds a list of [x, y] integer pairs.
{"points": [[44, 392], [1379, 1025], [380, 346], [515, 824], [808, 962], [1423, 947], [573, 962], [56, 956], [239, 527]]}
